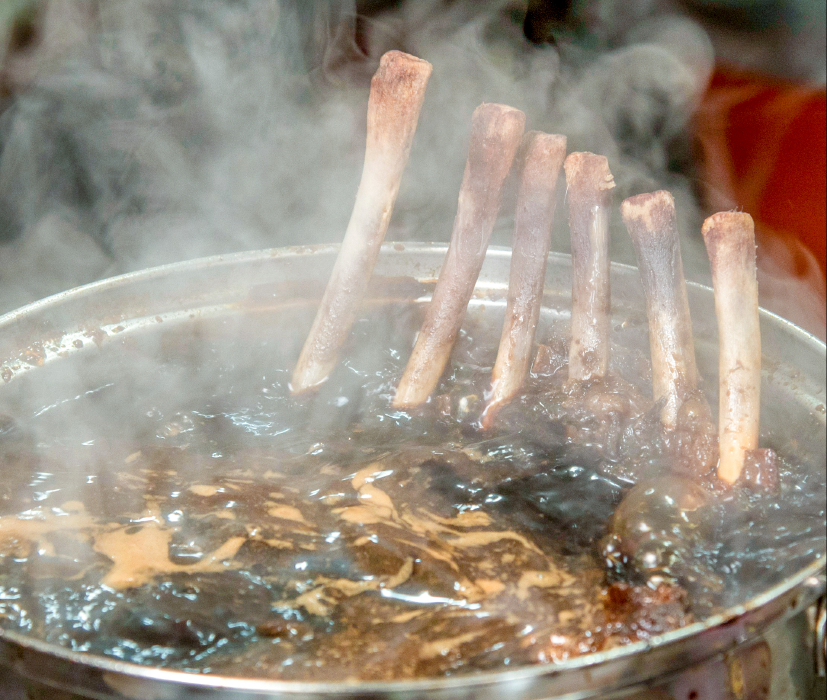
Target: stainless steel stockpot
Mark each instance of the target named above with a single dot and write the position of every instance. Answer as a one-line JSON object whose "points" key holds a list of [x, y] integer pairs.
{"points": [[766, 648]]}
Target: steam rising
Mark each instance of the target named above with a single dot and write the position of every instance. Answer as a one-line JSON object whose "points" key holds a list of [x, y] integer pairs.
{"points": [[151, 131], [170, 130]]}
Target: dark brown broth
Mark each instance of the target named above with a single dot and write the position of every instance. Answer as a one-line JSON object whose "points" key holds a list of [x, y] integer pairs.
{"points": [[354, 541]]}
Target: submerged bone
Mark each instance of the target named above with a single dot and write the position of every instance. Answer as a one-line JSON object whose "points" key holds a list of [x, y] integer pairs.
{"points": [[652, 224], [496, 133], [730, 241], [590, 185], [397, 94], [536, 206]]}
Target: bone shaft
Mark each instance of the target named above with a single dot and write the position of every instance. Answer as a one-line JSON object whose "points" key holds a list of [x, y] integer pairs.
{"points": [[397, 94], [495, 137], [536, 205], [590, 187], [652, 224], [730, 239]]}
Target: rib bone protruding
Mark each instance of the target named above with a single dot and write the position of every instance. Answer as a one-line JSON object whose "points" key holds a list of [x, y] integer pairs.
{"points": [[730, 241], [495, 137], [652, 224], [590, 185], [536, 204], [396, 98]]}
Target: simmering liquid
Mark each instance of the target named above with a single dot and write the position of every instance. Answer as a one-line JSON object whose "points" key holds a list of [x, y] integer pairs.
{"points": [[165, 501]]}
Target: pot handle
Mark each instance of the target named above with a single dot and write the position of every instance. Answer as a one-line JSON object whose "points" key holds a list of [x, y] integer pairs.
{"points": [[821, 638], [817, 616]]}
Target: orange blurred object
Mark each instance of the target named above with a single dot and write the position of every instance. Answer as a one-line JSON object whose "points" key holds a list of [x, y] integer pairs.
{"points": [[764, 147]]}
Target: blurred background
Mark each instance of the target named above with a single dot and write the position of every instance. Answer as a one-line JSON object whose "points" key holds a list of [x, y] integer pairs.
{"points": [[138, 132]]}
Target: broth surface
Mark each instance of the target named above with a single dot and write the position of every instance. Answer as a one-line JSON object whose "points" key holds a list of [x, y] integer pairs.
{"points": [[166, 502]]}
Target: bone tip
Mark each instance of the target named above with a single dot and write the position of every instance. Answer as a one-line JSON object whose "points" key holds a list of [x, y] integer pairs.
{"points": [[306, 380], [729, 471], [399, 60], [545, 145], [297, 388], [729, 231], [591, 169], [402, 77], [652, 210], [494, 108], [407, 397], [500, 119], [489, 416], [729, 223], [550, 142], [404, 403], [500, 397]]}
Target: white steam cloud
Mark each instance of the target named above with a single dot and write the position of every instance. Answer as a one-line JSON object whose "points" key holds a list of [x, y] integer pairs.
{"points": [[150, 131]]}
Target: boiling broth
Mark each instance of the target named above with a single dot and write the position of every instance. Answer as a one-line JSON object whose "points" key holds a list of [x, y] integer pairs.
{"points": [[168, 503]]}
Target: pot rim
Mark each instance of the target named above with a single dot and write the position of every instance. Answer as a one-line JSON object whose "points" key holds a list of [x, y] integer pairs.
{"points": [[804, 588]]}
